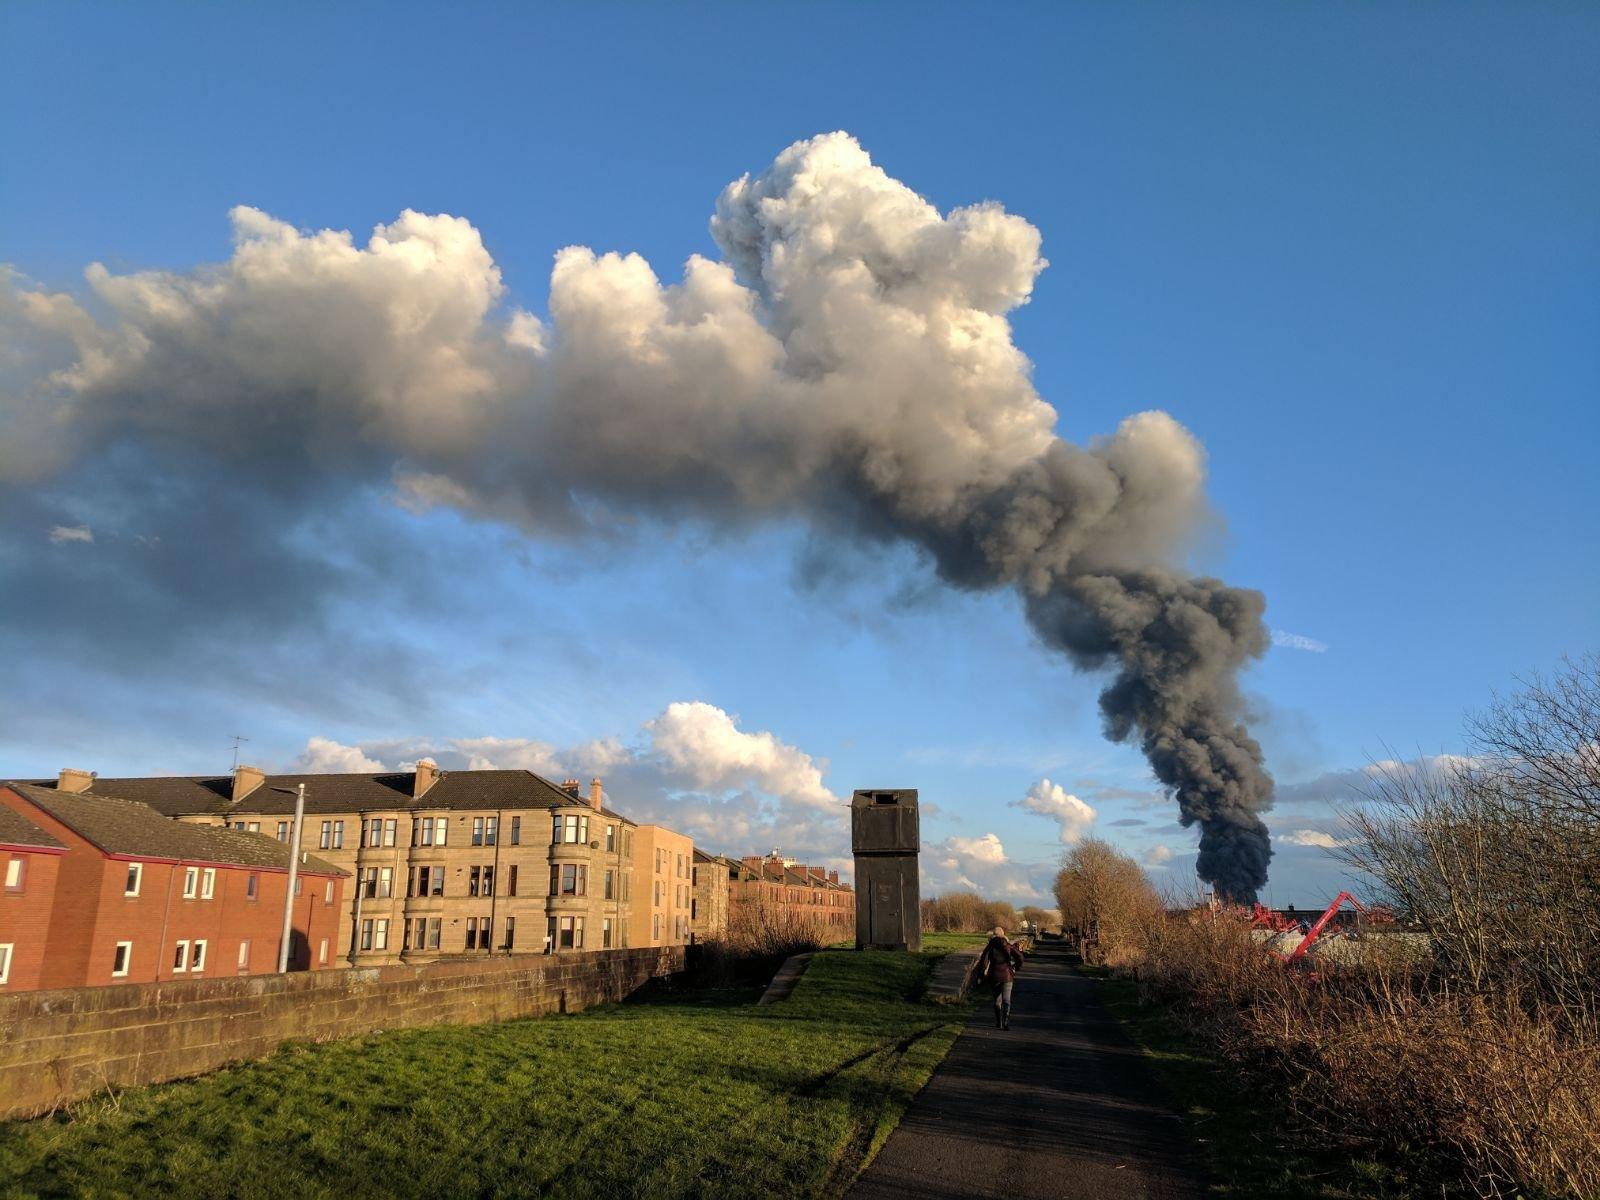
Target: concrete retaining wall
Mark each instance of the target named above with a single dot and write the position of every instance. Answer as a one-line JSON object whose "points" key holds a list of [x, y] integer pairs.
{"points": [[60, 1046]]}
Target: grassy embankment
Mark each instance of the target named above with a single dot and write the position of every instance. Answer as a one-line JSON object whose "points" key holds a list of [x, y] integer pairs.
{"points": [[1247, 1147], [678, 1095]]}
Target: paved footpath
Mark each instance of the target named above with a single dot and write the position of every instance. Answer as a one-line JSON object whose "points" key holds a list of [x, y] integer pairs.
{"points": [[1061, 1105]]}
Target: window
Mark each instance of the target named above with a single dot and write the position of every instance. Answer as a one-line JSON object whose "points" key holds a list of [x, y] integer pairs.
{"points": [[473, 881], [421, 831], [244, 955], [472, 933], [388, 830], [574, 828], [658, 891], [441, 826], [426, 935], [611, 880], [511, 888], [366, 934], [491, 829], [197, 959], [253, 827], [180, 958], [338, 835], [250, 885], [322, 953], [191, 882], [655, 927], [122, 959], [516, 831], [694, 876], [208, 883], [574, 879], [283, 831], [135, 878], [571, 933], [5, 961], [605, 934], [299, 884], [369, 882], [14, 875], [385, 882], [380, 935], [555, 828], [611, 838], [627, 849], [327, 836], [477, 831], [327, 891], [511, 930], [627, 888]]}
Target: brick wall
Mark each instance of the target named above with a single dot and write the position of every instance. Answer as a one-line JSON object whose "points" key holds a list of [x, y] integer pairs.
{"points": [[62, 1045]]}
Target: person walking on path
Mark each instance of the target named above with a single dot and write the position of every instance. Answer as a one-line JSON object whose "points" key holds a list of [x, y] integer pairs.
{"points": [[999, 964]]}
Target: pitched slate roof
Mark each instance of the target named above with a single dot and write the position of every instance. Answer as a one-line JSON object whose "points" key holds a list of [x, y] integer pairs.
{"points": [[121, 826], [17, 830], [212, 795]]}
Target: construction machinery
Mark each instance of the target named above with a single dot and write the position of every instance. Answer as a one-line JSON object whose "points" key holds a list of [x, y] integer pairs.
{"points": [[1276, 923]]}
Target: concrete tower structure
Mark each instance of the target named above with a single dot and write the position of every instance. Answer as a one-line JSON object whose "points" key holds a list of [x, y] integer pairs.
{"points": [[884, 835]]}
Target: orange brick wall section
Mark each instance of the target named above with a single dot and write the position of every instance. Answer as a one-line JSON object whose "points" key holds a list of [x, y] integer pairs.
{"points": [[25, 913], [63, 1045]]}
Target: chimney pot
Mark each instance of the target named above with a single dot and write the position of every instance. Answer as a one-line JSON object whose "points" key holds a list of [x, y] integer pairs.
{"points": [[246, 780], [833, 877], [427, 775], [73, 780], [595, 793], [572, 787]]}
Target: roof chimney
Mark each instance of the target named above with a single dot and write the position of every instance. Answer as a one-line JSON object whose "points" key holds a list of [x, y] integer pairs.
{"points": [[833, 877], [427, 776], [572, 788], [73, 780], [246, 780], [595, 793]]}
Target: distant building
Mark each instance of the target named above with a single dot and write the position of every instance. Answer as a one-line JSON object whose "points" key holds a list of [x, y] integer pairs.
{"points": [[110, 891], [708, 909], [664, 887], [791, 887], [444, 863]]}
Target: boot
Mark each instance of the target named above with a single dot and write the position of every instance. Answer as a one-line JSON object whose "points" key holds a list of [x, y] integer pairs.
{"points": [[999, 1017], [1005, 1017]]}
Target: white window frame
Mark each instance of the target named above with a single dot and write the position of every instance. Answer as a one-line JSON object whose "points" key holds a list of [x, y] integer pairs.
{"points": [[244, 954], [208, 883], [197, 956], [605, 933], [136, 870], [191, 882], [441, 829], [127, 960], [327, 892], [322, 953], [380, 934], [16, 873], [5, 960], [385, 882], [180, 960]]}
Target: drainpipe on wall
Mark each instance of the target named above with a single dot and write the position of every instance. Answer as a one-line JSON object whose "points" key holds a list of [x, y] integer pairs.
{"points": [[355, 921], [166, 914], [494, 890]]}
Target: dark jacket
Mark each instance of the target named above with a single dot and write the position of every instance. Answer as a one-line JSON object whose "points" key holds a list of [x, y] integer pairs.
{"points": [[1000, 961]]}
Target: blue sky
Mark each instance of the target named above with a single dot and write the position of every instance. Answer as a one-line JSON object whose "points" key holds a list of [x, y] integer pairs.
{"points": [[1353, 248]]}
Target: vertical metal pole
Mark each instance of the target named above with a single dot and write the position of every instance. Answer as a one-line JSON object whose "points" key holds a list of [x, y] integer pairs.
{"points": [[294, 875]]}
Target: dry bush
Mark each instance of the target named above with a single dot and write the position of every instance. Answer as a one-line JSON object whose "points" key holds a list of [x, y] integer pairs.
{"points": [[1483, 1053], [760, 935], [1104, 893], [966, 912]]}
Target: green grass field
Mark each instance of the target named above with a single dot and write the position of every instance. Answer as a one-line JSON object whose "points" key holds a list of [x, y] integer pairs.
{"points": [[678, 1095]]}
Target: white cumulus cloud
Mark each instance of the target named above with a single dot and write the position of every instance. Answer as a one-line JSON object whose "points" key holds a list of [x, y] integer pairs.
{"points": [[1157, 856], [1054, 801], [1298, 641], [1311, 837], [326, 755], [71, 533]]}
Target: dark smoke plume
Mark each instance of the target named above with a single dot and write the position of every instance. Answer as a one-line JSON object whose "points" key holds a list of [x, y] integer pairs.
{"points": [[849, 361]]}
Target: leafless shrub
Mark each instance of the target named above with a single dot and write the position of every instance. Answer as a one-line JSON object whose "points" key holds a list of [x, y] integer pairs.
{"points": [[966, 912], [1103, 892], [759, 936], [1485, 1051]]}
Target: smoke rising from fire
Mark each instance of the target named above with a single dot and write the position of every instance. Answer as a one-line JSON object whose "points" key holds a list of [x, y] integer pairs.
{"points": [[849, 360]]}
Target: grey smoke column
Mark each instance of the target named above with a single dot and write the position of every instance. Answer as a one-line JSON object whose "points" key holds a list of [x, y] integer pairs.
{"points": [[848, 362]]}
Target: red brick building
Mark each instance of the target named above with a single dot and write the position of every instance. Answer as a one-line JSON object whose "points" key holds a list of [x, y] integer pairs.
{"points": [[30, 858], [775, 882], [136, 897]]}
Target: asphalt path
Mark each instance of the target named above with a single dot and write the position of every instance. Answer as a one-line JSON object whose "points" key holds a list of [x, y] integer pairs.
{"points": [[1060, 1105]]}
